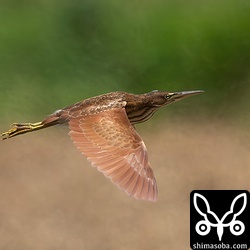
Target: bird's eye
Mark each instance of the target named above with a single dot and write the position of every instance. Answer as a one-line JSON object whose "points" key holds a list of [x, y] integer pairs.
{"points": [[169, 95]]}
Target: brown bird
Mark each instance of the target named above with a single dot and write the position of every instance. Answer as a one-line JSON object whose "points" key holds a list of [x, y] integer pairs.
{"points": [[102, 128]]}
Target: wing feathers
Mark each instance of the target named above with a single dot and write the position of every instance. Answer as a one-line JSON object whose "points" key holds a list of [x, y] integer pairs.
{"points": [[112, 145]]}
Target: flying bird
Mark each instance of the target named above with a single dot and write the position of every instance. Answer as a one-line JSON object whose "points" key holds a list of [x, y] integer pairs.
{"points": [[103, 130]]}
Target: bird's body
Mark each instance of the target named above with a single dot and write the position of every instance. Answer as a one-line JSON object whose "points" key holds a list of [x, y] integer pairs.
{"points": [[136, 106], [102, 128]]}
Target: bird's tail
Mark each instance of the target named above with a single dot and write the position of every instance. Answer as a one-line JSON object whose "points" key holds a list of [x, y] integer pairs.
{"points": [[21, 128]]}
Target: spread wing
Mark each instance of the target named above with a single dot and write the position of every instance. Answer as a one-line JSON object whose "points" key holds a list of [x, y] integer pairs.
{"points": [[112, 145]]}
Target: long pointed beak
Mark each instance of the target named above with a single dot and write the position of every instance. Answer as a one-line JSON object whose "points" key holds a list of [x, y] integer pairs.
{"points": [[176, 96]]}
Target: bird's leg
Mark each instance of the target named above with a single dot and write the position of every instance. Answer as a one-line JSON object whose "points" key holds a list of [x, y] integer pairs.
{"points": [[21, 128]]}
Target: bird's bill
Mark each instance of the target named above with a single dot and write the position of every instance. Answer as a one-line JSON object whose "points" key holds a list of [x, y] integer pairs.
{"points": [[176, 96]]}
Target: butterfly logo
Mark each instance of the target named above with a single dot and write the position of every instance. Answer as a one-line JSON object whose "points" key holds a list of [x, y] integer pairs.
{"points": [[203, 227]]}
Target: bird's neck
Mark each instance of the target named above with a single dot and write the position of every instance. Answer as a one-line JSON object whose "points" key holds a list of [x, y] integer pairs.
{"points": [[139, 109]]}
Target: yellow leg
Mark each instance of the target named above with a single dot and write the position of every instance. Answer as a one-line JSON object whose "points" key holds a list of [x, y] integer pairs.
{"points": [[21, 128]]}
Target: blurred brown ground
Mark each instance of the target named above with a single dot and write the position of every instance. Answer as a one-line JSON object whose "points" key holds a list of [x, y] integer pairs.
{"points": [[52, 199]]}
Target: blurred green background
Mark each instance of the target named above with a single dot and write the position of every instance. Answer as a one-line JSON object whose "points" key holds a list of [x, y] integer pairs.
{"points": [[55, 53]]}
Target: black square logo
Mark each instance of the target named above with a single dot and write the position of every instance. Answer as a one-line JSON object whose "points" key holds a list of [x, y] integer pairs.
{"points": [[219, 219]]}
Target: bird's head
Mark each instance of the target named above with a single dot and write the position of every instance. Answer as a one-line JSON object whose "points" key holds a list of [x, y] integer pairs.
{"points": [[160, 99]]}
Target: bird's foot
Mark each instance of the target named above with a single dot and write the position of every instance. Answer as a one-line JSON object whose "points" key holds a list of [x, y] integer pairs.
{"points": [[20, 128]]}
